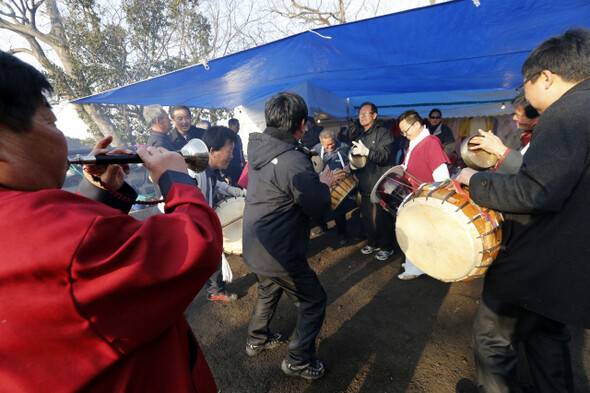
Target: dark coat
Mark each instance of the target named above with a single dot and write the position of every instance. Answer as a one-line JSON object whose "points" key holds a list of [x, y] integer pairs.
{"points": [[284, 191], [178, 140], [446, 137], [543, 265], [380, 143], [159, 139]]}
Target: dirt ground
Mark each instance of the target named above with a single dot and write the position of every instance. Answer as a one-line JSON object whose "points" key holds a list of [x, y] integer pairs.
{"points": [[380, 335]]}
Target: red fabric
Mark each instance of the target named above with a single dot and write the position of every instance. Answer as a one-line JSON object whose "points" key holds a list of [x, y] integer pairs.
{"points": [[243, 180], [525, 137], [424, 159], [92, 300]]}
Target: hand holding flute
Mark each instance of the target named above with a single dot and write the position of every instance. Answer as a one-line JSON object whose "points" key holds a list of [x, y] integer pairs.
{"points": [[156, 160]]}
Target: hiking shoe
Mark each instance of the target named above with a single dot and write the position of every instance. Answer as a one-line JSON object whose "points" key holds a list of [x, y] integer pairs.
{"points": [[273, 341], [383, 255], [369, 249], [313, 370], [224, 296]]}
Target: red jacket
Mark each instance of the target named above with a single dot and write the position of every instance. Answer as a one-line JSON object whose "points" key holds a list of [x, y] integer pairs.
{"points": [[92, 300]]}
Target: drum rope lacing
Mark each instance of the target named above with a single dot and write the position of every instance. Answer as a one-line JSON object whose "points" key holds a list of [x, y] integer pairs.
{"points": [[461, 192], [457, 187]]}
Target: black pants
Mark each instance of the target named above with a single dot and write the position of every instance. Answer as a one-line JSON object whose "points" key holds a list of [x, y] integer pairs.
{"points": [[308, 295], [215, 284], [499, 327], [377, 224], [339, 216]]}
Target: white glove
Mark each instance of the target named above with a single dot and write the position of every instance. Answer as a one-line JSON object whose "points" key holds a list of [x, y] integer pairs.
{"points": [[236, 192], [359, 148]]}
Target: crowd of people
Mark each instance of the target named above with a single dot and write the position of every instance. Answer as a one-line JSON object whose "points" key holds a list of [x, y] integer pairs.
{"points": [[69, 300]]}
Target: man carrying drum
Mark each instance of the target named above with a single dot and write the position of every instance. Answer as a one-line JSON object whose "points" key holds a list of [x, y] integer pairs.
{"points": [[539, 280], [425, 162], [220, 142], [335, 156]]}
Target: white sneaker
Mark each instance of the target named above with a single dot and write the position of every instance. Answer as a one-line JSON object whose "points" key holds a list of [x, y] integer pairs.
{"points": [[369, 250], [406, 277], [383, 255]]}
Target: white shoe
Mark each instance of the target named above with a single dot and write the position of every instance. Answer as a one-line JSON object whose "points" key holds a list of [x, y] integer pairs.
{"points": [[383, 255], [406, 277]]}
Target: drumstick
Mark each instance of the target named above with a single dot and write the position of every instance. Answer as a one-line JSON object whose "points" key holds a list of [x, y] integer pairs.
{"points": [[231, 221], [413, 177]]}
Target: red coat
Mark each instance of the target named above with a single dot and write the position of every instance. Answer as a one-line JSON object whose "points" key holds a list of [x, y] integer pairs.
{"points": [[92, 300], [424, 159]]}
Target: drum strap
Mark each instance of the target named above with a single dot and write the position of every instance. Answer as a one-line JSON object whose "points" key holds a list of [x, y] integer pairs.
{"points": [[464, 194]]}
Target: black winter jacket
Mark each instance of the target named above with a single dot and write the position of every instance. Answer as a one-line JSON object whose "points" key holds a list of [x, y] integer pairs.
{"points": [[380, 143], [283, 193], [543, 265]]}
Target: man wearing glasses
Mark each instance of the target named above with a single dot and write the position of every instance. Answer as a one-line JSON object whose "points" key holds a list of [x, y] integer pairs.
{"points": [[376, 144], [538, 284], [441, 131]]}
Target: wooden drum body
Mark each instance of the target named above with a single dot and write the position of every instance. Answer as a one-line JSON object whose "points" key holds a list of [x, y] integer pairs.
{"points": [[230, 212], [342, 189], [446, 236]]}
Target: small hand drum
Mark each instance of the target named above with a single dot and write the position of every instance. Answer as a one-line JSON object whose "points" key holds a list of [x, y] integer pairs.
{"points": [[341, 190], [391, 189]]}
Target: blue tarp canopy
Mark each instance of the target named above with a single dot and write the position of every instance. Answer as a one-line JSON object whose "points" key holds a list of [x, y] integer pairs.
{"points": [[463, 58]]}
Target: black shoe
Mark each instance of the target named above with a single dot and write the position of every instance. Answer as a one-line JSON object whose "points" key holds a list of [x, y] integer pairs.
{"points": [[224, 296], [273, 341], [342, 238], [313, 370]]}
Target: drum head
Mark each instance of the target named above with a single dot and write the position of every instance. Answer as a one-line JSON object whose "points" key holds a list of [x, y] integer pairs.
{"points": [[437, 239], [230, 212]]}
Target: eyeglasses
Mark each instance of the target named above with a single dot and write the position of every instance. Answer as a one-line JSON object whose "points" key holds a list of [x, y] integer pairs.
{"points": [[407, 129], [520, 87], [435, 117], [365, 113]]}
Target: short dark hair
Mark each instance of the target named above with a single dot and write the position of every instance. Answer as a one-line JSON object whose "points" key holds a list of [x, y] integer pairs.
{"points": [[435, 110], [520, 101], [216, 137], [410, 116], [22, 89], [373, 107], [233, 122], [285, 111], [566, 55], [179, 107]]}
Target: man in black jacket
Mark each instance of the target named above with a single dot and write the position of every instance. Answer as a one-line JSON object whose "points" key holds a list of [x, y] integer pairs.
{"points": [[284, 191], [441, 131], [183, 130], [539, 281], [376, 144]]}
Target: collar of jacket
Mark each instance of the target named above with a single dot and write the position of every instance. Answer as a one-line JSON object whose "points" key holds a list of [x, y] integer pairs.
{"points": [[374, 126], [282, 135]]}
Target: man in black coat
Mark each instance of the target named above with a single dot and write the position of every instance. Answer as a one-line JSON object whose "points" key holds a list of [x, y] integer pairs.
{"points": [[183, 130], [441, 131], [539, 281], [284, 191], [375, 143]]}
